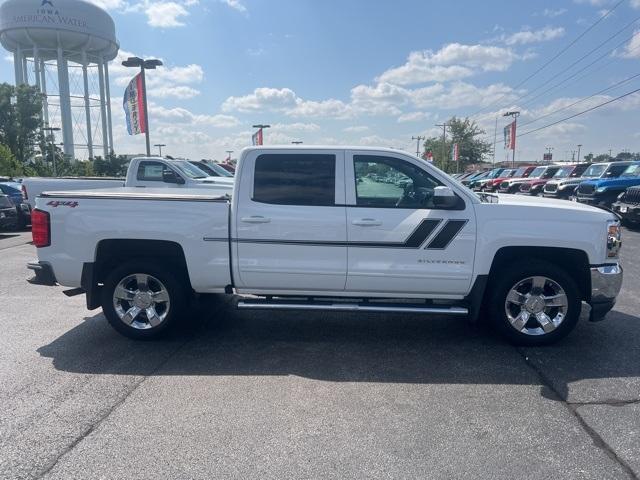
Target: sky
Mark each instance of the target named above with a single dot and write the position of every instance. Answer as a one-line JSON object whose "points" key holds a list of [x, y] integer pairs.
{"points": [[356, 72]]}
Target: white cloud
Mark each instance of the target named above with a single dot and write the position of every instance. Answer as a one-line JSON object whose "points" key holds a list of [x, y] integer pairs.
{"points": [[262, 99], [561, 130], [165, 14], [553, 13], [413, 117], [356, 129], [177, 91], [533, 36], [632, 49], [326, 108], [8, 58], [453, 61], [461, 94], [236, 5], [594, 3], [295, 127], [634, 3], [109, 4]]}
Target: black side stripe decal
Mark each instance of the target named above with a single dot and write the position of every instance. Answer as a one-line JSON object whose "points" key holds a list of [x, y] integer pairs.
{"points": [[420, 234], [415, 240], [446, 234]]}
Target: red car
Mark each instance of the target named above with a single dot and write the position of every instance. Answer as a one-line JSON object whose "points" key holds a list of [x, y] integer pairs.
{"points": [[536, 185], [522, 172]]}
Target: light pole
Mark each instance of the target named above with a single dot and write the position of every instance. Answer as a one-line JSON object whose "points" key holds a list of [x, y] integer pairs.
{"points": [[444, 143], [579, 147], [297, 142], [53, 147], [229, 152], [515, 115], [160, 145], [149, 64], [417, 139]]}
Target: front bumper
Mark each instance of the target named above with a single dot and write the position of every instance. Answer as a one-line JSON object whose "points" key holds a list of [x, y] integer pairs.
{"points": [[628, 211], [44, 273], [606, 282]]}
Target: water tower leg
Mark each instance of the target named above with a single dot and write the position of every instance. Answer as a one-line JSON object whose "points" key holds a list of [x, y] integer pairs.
{"points": [[36, 67], [108, 92], [65, 106], [103, 111], [17, 65], [25, 71], [87, 106], [43, 84]]}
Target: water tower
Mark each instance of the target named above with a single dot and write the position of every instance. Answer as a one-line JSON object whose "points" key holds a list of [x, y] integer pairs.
{"points": [[63, 47]]}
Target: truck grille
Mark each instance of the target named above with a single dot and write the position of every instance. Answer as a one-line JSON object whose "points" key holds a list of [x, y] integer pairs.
{"points": [[525, 187], [632, 195], [586, 188], [551, 188]]}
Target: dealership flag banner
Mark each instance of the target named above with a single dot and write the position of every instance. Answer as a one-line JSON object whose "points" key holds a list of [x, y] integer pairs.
{"points": [[256, 138], [455, 152], [133, 104], [510, 136]]}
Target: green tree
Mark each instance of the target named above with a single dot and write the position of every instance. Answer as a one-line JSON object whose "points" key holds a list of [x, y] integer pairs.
{"points": [[9, 166], [112, 166], [20, 119], [465, 133]]}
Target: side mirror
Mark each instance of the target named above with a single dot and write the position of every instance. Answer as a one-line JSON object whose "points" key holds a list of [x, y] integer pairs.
{"points": [[444, 198], [169, 176]]}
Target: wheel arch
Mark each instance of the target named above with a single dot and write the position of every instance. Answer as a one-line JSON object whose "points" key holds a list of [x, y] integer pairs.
{"points": [[574, 261], [113, 252]]}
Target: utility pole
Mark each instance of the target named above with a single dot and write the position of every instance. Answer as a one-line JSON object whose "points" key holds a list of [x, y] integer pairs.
{"points": [[160, 145], [579, 147], [417, 139], [495, 142], [444, 144]]}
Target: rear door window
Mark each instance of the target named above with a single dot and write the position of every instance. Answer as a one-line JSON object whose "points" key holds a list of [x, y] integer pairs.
{"points": [[295, 179]]}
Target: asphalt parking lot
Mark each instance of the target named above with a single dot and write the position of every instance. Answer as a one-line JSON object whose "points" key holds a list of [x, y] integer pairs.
{"points": [[290, 395]]}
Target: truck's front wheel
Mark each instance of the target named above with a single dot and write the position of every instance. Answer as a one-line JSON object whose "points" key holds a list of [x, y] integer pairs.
{"points": [[142, 300], [534, 303]]}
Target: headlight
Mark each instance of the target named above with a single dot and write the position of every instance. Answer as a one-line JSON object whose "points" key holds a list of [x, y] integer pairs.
{"points": [[601, 189], [562, 187], [621, 196], [614, 240]]}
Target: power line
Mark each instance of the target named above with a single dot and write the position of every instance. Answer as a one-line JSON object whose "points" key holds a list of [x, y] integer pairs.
{"points": [[579, 60], [616, 85], [607, 53], [581, 113], [552, 59]]}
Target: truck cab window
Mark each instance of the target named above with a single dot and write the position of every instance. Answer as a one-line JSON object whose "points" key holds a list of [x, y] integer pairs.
{"points": [[388, 182], [295, 179], [151, 171]]}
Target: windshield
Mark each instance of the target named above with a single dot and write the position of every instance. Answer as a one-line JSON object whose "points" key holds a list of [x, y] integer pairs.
{"points": [[189, 170], [218, 169], [537, 172], [594, 171], [564, 172], [495, 173], [520, 172], [632, 171], [5, 202]]}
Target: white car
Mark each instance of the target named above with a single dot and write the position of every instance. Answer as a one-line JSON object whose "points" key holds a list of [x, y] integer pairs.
{"points": [[151, 172], [317, 228]]}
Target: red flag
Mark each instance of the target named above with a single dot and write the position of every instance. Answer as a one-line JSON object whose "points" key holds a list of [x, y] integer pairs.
{"points": [[256, 138]]}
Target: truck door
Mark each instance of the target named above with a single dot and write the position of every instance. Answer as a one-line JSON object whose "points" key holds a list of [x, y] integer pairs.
{"points": [[291, 221], [398, 240]]}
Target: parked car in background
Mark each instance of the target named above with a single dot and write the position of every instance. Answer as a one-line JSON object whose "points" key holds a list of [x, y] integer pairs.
{"points": [[513, 185], [8, 214], [603, 192], [475, 176], [536, 186], [627, 207], [521, 174], [15, 191], [213, 169], [147, 172], [492, 184], [494, 173], [565, 188]]}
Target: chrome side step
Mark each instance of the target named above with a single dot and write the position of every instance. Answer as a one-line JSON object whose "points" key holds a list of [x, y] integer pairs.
{"points": [[351, 307]]}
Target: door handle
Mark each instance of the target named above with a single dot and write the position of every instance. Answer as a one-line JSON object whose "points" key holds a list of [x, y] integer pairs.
{"points": [[255, 219], [367, 222]]}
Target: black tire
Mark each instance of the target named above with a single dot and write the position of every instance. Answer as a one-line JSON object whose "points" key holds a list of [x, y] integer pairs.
{"points": [[176, 292], [510, 276]]}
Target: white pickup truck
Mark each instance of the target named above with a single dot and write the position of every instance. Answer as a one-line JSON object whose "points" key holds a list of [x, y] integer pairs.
{"points": [[152, 172], [332, 228]]}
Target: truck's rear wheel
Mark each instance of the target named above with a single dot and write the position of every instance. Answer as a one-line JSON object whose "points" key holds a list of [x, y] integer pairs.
{"points": [[534, 303], [142, 300]]}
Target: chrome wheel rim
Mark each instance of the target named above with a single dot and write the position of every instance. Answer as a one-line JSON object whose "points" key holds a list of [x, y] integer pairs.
{"points": [[536, 305], [141, 301]]}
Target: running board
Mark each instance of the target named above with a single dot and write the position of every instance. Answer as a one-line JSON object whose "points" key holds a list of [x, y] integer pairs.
{"points": [[351, 307]]}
